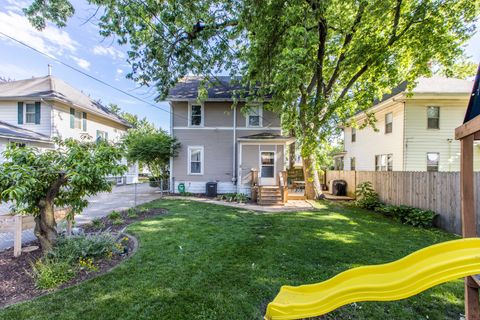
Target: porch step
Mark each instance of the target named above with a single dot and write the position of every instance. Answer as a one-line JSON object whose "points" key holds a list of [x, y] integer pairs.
{"points": [[270, 195]]}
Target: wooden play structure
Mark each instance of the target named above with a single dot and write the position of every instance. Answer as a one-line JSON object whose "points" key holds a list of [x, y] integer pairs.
{"points": [[414, 273]]}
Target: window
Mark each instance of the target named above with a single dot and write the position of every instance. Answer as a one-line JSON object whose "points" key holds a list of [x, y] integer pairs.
{"points": [[195, 160], [352, 163], [384, 162], [354, 134], [432, 161], [196, 115], [102, 135], [338, 163], [254, 116], [433, 116], [30, 113], [268, 164], [389, 122], [78, 119]]}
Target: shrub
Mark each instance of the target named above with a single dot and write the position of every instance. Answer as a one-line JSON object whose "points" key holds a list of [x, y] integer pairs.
{"points": [[114, 215], [132, 213], [231, 197], [408, 215], [117, 222], [367, 198], [83, 246], [97, 223], [50, 273], [241, 198]]}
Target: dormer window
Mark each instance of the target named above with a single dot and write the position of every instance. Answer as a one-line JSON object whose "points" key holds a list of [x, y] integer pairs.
{"points": [[254, 116], [195, 115]]}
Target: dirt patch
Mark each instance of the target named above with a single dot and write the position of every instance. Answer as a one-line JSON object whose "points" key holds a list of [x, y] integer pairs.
{"points": [[16, 283]]}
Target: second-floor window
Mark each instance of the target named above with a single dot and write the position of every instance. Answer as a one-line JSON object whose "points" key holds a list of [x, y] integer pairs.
{"points": [[433, 117], [78, 119], [195, 115], [30, 113], [384, 162], [389, 122], [433, 159], [254, 116], [354, 134]]}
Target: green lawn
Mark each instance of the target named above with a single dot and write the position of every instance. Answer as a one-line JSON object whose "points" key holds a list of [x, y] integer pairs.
{"points": [[203, 261]]}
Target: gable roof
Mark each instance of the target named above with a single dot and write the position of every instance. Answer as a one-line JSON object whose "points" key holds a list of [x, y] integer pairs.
{"points": [[219, 88], [432, 85], [53, 88], [10, 131]]}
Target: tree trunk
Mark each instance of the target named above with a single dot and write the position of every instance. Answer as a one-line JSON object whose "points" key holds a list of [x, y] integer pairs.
{"points": [[313, 189], [291, 150], [45, 225]]}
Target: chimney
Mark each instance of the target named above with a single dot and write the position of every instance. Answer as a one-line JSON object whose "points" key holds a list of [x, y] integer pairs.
{"points": [[49, 69]]}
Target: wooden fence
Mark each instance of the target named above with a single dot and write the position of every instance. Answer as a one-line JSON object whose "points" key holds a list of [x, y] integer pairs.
{"points": [[437, 191]]}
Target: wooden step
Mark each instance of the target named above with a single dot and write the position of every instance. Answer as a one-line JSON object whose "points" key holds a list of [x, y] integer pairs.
{"points": [[270, 203]]}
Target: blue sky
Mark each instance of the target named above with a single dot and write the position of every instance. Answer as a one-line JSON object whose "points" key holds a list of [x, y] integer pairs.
{"points": [[80, 45]]}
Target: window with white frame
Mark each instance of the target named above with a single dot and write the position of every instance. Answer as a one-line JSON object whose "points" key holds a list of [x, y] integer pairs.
{"points": [[195, 118], [433, 117], [78, 120], [433, 159], [254, 116], [384, 162], [354, 134], [30, 113], [389, 122], [195, 160]]}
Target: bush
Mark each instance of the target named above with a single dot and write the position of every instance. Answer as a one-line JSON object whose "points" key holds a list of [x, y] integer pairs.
{"points": [[50, 273], [132, 213], [97, 223], [233, 197], [114, 215], [367, 198], [73, 248], [409, 215]]}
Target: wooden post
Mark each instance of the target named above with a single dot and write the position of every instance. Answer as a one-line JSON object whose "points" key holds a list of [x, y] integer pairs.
{"points": [[469, 225], [17, 236]]}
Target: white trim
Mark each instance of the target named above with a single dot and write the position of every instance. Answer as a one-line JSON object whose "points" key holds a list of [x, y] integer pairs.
{"points": [[260, 116], [260, 151], [189, 154], [170, 169], [229, 128], [202, 111]]}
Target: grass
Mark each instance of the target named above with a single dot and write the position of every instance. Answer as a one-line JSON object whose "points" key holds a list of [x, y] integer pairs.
{"points": [[203, 261]]}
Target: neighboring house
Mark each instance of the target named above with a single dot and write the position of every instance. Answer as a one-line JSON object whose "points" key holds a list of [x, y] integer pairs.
{"points": [[34, 111], [415, 132], [223, 142]]}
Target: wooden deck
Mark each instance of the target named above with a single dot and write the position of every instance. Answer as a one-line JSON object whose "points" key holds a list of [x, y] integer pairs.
{"points": [[330, 196]]}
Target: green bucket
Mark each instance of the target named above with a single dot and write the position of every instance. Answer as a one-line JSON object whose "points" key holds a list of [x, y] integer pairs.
{"points": [[181, 187]]}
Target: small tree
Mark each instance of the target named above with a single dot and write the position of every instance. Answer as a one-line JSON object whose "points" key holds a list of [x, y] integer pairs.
{"points": [[153, 150], [37, 181]]}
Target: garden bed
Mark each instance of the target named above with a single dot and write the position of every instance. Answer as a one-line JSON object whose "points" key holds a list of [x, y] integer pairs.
{"points": [[16, 274]]}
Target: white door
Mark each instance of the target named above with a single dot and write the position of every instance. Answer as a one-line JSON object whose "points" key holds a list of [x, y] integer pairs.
{"points": [[266, 176]]}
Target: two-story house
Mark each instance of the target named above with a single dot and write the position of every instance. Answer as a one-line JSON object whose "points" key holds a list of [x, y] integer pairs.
{"points": [[34, 111], [222, 141], [414, 132]]}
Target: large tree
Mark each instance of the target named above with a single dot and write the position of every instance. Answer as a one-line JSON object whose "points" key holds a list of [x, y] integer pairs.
{"points": [[320, 61], [36, 181]]}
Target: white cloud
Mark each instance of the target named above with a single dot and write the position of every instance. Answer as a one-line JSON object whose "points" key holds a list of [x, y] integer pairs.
{"points": [[51, 40], [82, 63], [118, 74], [108, 51]]}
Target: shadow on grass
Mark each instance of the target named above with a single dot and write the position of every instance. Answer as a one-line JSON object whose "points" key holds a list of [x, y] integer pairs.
{"points": [[203, 261]]}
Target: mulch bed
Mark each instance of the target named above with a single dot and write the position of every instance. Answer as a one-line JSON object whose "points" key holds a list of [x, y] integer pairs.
{"points": [[17, 285]]}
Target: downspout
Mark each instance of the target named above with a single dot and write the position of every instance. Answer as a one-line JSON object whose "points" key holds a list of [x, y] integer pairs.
{"points": [[171, 182], [405, 145], [234, 143]]}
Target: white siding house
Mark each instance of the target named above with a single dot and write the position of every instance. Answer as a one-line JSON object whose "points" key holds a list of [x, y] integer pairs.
{"points": [[421, 134], [35, 111]]}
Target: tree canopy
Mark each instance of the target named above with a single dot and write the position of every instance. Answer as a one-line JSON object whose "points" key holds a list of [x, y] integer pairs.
{"points": [[320, 61], [36, 181]]}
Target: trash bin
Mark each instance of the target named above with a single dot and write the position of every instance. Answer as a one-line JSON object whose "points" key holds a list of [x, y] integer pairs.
{"points": [[339, 188], [211, 189]]}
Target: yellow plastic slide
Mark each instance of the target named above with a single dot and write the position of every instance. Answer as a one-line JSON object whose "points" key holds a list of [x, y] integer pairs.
{"points": [[400, 279]]}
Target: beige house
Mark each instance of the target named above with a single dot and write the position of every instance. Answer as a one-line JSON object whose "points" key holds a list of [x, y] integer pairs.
{"points": [[223, 142], [414, 132], [34, 111]]}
